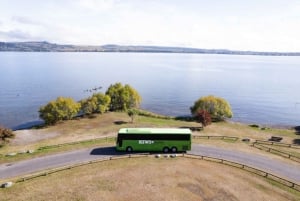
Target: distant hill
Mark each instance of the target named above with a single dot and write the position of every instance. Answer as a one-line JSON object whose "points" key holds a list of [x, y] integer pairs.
{"points": [[52, 47]]}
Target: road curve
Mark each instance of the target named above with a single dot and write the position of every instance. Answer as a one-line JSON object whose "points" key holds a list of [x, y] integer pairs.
{"points": [[279, 168]]}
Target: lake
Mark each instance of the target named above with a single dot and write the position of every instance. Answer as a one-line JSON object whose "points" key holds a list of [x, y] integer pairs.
{"points": [[261, 89]]}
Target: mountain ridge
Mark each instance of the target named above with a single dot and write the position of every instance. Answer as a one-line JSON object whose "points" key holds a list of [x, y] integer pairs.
{"points": [[44, 46]]}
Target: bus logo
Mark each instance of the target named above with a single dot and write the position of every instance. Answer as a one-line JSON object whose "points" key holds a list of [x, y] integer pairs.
{"points": [[146, 142]]}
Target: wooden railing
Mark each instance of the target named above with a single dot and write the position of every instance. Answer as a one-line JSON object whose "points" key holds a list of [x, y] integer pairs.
{"points": [[276, 151], [215, 137]]}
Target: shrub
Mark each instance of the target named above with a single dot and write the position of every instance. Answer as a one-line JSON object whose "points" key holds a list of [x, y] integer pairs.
{"points": [[59, 109], [6, 134], [98, 103]]}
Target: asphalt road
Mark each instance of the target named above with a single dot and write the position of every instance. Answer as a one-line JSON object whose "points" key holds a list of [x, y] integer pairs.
{"points": [[277, 167]]}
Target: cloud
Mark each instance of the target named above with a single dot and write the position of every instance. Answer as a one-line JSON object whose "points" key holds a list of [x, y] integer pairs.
{"points": [[25, 20], [16, 35], [97, 5], [242, 26]]}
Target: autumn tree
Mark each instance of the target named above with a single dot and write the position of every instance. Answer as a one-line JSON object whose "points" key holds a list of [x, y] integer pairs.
{"points": [[89, 105], [60, 109], [123, 97], [217, 107], [203, 117], [6, 134], [97, 103]]}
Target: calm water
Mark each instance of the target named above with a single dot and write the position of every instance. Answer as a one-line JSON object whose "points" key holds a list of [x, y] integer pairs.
{"points": [[260, 89]]}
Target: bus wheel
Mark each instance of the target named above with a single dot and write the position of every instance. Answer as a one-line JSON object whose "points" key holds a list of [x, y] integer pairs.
{"points": [[165, 149], [174, 149], [129, 149]]}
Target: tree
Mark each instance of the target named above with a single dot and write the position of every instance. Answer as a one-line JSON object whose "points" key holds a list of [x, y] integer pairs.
{"points": [[5, 134], [89, 105], [217, 107], [123, 97], [59, 109], [203, 117], [132, 113], [102, 102], [98, 102]]}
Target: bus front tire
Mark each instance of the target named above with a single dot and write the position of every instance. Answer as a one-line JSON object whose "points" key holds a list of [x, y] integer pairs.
{"points": [[174, 149], [129, 149], [165, 149]]}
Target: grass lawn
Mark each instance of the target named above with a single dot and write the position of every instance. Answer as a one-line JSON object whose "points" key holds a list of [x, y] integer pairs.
{"points": [[150, 179]]}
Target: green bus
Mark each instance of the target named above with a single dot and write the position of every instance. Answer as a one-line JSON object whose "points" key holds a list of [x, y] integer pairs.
{"points": [[154, 139]]}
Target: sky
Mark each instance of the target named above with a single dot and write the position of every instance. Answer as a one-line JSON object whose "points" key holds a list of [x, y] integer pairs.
{"points": [[258, 25]]}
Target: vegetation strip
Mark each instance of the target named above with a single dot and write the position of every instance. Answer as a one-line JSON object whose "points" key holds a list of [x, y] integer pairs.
{"points": [[250, 169]]}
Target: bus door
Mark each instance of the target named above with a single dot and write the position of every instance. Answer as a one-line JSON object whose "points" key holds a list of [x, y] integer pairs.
{"points": [[119, 141]]}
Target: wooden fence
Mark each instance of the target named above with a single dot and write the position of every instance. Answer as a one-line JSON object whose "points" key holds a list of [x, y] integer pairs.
{"points": [[215, 137], [260, 145], [294, 146]]}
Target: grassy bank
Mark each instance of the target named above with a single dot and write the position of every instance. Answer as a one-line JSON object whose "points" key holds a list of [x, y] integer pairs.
{"points": [[90, 129]]}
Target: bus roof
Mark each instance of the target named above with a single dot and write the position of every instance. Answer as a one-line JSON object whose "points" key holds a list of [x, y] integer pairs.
{"points": [[155, 130]]}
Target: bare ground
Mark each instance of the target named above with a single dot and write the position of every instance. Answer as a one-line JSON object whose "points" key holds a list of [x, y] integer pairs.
{"points": [[25, 137], [150, 179]]}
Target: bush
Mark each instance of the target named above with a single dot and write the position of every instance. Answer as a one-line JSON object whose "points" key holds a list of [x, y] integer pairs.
{"points": [[98, 103], [59, 109], [6, 134]]}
